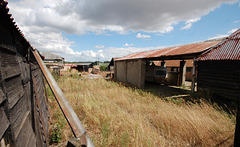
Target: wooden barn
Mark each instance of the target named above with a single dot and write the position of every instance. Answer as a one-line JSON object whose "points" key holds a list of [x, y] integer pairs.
{"points": [[23, 104], [219, 68], [219, 71]]}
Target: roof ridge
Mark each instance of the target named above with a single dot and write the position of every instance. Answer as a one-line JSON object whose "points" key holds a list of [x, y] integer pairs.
{"points": [[5, 9]]}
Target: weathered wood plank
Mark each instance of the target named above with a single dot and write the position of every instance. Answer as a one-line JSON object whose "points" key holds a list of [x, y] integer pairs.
{"points": [[25, 70], [14, 90], [3, 121], [10, 67], [18, 115], [8, 48], [2, 96], [25, 133], [20, 123], [34, 66], [31, 141]]}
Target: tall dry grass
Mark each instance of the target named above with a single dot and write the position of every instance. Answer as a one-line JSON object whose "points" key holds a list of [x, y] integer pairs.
{"points": [[114, 115]]}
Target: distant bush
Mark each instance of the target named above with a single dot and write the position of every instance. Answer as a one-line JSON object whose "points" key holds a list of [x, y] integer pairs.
{"points": [[103, 67]]}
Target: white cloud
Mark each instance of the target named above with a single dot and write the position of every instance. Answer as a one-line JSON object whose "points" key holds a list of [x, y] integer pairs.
{"points": [[127, 45], [123, 51], [218, 36], [43, 22], [187, 26], [189, 23], [232, 31], [81, 16], [237, 21], [99, 46], [139, 35]]}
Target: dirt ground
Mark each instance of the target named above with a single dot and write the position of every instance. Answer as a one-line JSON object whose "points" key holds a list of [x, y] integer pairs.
{"points": [[167, 91]]}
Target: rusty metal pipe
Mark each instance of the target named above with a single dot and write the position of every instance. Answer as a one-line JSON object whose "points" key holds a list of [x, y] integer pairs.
{"points": [[71, 117]]}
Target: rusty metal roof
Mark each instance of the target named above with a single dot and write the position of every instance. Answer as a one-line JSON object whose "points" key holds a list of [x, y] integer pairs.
{"points": [[51, 57], [174, 63], [228, 49], [195, 48], [4, 12]]}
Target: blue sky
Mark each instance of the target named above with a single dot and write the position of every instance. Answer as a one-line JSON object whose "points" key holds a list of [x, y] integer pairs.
{"points": [[90, 30]]}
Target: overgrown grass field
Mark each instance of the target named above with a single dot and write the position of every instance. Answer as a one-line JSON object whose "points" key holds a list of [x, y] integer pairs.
{"points": [[115, 115]]}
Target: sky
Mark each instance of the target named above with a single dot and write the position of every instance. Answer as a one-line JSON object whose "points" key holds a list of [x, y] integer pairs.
{"points": [[97, 30]]}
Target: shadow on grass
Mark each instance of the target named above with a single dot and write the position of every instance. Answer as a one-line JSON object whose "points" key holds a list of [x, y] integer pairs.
{"points": [[168, 92]]}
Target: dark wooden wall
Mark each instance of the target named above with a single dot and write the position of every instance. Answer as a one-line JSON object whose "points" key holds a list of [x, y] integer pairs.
{"points": [[23, 104], [222, 77]]}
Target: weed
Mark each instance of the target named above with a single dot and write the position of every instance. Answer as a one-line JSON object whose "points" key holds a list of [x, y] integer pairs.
{"points": [[55, 134], [125, 139], [105, 133]]}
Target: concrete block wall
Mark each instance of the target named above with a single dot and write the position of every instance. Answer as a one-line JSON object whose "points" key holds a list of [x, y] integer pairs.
{"points": [[132, 71]]}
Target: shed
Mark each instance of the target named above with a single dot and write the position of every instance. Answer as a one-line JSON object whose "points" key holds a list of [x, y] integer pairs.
{"points": [[52, 57], [219, 68], [110, 67], [173, 70], [131, 68], [23, 103], [83, 67], [219, 71]]}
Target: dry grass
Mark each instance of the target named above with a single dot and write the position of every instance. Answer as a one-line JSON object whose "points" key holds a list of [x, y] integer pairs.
{"points": [[114, 115]]}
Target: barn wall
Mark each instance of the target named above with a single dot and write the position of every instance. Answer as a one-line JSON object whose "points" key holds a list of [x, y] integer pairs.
{"points": [[120, 71], [132, 71], [222, 77], [23, 118], [136, 73]]}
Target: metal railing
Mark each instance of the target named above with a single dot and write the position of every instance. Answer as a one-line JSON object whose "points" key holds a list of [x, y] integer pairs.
{"points": [[67, 110]]}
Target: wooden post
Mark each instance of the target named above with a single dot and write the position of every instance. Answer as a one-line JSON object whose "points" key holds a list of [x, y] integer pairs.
{"points": [[237, 129], [194, 74], [182, 74], [125, 68], [115, 70], [163, 63]]}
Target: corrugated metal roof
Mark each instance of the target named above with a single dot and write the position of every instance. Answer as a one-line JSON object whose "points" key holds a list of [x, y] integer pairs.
{"points": [[51, 57], [174, 63], [173, 51], [4, 10], [229, 49]]}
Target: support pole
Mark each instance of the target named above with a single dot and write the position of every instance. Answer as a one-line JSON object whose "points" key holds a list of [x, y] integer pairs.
{"points": [[194, 75], [71, 117], [182, 73], [163, 63]]}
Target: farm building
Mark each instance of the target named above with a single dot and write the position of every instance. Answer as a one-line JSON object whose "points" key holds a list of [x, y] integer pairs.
{"points": [[83, 66], [110, 67], [173, 70], [52, 57], [23, 97], [133, 68], [23, 104], [219, 68]]}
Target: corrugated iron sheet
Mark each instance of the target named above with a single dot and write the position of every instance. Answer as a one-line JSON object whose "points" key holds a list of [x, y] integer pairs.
{"points": [[229, 49], [174, 63], [4, 10], [173, 51], [51, 56]]}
